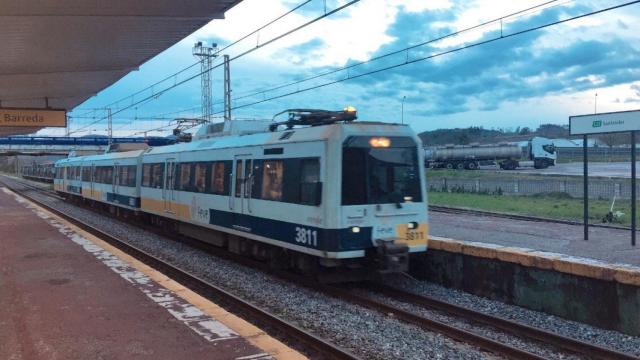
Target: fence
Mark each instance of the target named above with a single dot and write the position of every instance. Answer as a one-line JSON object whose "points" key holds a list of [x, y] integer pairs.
{"points": [[595, 154], [598, 189]]}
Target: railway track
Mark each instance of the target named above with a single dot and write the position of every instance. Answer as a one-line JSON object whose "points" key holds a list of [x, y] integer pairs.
{"points": [[454, 210], [505, 325], [319, 346], [331, 351]]}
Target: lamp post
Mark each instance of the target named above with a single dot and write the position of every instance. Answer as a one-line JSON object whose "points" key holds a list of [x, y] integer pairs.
{"points": [[402, 111]]}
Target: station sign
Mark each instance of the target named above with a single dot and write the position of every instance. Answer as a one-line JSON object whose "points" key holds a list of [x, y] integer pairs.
{"points": [[12, 117], [605, 123]]}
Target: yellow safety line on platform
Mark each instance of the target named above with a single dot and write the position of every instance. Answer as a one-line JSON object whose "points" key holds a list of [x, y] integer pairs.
{"points": [[253, 334]]}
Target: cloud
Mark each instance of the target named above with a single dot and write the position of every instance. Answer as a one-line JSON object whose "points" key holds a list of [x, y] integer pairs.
{"points": [[484, 77]]}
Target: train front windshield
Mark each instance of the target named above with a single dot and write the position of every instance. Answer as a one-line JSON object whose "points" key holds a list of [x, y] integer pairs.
{"points": [[380, 170]]}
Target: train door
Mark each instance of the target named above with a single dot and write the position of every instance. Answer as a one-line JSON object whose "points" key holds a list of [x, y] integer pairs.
{"points": [[242, 173], [168, 192]]}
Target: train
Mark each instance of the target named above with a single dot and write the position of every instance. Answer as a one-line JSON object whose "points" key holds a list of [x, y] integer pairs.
{"points": [[538, 152], [38, 171], [316, 193]]}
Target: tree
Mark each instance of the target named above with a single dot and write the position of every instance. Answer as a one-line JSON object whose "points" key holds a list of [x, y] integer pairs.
{"points": [[612, 140], [525, 131]]}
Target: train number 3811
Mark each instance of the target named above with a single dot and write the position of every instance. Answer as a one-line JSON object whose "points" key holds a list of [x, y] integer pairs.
{"points": [[306, 236]]}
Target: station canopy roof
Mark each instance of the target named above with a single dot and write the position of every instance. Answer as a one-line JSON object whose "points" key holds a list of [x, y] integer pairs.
{"points": [[61, 52]]}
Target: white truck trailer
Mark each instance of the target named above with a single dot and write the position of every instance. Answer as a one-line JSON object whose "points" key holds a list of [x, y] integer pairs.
{"points": [[539, 153]]}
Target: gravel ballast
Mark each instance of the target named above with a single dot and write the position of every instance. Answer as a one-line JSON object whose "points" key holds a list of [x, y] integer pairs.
{"points": [[366, 333]]}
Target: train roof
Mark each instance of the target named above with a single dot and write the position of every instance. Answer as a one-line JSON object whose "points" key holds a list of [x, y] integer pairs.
{"points": [[108, 156], [302, 134]]}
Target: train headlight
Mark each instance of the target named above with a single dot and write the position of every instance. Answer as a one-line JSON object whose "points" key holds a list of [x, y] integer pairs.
{"points": [[412, 225], [355, 229], [350, 109], [380, 142]]}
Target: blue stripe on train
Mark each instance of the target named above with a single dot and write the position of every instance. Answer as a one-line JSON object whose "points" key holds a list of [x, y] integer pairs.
{"points": [[123, 199], [332, 240]]}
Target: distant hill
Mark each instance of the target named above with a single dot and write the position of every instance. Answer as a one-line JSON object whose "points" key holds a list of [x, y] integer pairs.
{"points": [[485, 136]]}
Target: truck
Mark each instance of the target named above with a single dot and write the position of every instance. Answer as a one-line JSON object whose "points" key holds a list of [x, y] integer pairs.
{"points": [[538, 152]]}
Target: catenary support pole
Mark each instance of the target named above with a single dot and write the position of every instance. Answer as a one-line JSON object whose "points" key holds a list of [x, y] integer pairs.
{"points": [[227, 88], [633, 188], [585, 160]]}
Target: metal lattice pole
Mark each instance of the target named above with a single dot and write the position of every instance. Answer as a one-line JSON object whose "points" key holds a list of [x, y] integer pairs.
{"points": [[206, 54], [227, 89]]}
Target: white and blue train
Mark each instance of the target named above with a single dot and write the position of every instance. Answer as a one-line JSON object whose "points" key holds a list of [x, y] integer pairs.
{"points": [[333, 194]]}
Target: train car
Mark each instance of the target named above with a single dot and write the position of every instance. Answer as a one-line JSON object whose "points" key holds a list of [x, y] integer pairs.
{"points": [[69, 176], [332, 194], [42, 172]]}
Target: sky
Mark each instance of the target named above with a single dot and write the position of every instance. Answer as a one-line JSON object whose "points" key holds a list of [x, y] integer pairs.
{"points": [[511, 80]]}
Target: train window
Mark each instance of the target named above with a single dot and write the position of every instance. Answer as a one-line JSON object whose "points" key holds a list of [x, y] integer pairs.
{"points": [[238, 177], [86, 174], [146, 175], [380, 175], [200, 177], [310, 185], [108, 175], [247, 177], [131, 180], [127, 175], [184, 177], [272, 171], [157, 176], [216, 186], [123, 174]]}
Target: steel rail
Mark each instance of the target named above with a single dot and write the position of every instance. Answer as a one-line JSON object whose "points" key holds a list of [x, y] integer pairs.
{"points": [[508, 326], [323, 347], [487, 344], [455, 210], [450, 331]]}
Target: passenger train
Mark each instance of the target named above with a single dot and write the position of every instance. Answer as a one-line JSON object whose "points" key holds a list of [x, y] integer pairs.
{"points": [[322, 192]]}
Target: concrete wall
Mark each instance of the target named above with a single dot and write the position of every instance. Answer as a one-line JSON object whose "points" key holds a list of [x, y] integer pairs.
{"points": [[592, 292]]}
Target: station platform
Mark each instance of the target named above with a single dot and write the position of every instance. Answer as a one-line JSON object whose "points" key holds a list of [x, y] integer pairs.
{"points": [[65, 295], [604, 244]]}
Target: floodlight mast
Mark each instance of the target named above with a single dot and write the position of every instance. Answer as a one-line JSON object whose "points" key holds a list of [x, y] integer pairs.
{"points": [[206, 54]]}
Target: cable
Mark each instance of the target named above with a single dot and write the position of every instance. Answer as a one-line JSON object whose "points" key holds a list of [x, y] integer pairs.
{"points": [[396, 52], [407, 62], [217, 52], [264, 26], [161, 92], [475, 27]]}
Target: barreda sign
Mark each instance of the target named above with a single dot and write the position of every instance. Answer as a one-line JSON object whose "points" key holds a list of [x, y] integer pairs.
{"points": [[32, 118], [605, 123]]}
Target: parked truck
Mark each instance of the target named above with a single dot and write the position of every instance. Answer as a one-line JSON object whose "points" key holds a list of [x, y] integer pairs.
{"points": [[538, 152]]}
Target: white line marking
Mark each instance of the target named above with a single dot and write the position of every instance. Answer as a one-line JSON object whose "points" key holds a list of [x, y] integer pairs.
{"points": [[203, 324]]}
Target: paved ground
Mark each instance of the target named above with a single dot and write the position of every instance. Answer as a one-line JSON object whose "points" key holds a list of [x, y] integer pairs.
{"points": [[614, 169], [65, 298], [605, 244]]}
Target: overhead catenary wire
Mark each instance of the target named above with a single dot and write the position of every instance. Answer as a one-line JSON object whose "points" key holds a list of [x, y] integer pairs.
{"points": [[259, 46], [403, 50], [280, 17], [432, 56], [396, 52]]}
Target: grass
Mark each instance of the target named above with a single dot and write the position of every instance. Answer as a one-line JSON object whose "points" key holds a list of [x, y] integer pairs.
{"points": [[558, 206], [432, 174]]}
